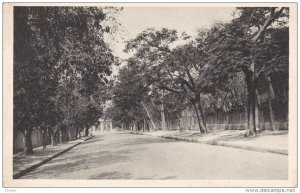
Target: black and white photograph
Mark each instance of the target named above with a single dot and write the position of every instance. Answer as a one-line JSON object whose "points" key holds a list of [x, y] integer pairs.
{"points": [[142, 95]]}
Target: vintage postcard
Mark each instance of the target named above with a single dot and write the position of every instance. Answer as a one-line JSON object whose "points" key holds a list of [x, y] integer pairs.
{"points": [[150, 95]]}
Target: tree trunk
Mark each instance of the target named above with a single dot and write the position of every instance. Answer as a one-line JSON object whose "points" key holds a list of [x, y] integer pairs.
{"points": [[60, 135], [202, 115], [144, 126], [250, 80], [53, 142], [86, 132], [180, 122], [256, 116], [28, 150], [163, 118], [44, 136], [147, 125], [148, 114], [69, 134], [257, 103], [270, 105], [52, 135], [84, 129], [77, 136], [201, 126], [138, 126]]}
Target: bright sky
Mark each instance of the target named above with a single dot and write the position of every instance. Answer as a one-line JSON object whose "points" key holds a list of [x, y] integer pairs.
{"points": [[184, 19]]}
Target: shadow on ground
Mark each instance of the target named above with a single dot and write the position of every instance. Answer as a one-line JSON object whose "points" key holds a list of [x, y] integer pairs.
{"points": [[93, 154], [144, 140], [235, 138], [81, 161], [94, 139], [157, 178], [111, 175]]}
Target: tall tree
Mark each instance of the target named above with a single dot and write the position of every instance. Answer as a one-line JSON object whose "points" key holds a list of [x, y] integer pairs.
{"points": [[241, 45], [128, 96], [52, 44], [183, 70]]}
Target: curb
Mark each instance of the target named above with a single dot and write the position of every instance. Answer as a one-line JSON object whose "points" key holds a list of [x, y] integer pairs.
{"points": [[29, 169], [222, 143]]}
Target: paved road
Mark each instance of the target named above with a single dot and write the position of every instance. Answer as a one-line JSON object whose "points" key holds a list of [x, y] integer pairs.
{"points": [[128, 156]]}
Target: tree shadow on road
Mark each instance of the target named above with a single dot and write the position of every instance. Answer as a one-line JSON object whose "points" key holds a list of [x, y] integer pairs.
{"points": [[94, 139], [91, 155], [111, 175], [119, 175], [143, 140], [79, 162], [235, 138], [157, 178]]}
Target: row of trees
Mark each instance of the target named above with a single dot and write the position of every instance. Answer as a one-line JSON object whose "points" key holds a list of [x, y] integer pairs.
{"points": [[235, 61], [61, 64]]}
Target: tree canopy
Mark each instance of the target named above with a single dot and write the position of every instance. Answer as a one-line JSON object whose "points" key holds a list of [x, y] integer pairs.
{"points": [[61, 64]]}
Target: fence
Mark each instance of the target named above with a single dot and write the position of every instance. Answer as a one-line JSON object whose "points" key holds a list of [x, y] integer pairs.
{"points": [[224, 121]]}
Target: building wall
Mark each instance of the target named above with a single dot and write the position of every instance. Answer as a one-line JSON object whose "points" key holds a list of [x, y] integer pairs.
{"points": [[36, 137]]}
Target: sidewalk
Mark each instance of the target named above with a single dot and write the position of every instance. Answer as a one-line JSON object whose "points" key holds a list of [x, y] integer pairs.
{"points": [[272, 142], [23, 164]]}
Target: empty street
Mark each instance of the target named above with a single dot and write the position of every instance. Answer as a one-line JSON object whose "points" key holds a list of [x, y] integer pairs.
{"points": [[129, 156]]}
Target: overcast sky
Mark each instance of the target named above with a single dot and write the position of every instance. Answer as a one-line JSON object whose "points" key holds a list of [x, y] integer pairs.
{"points": [[185, 19]]}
